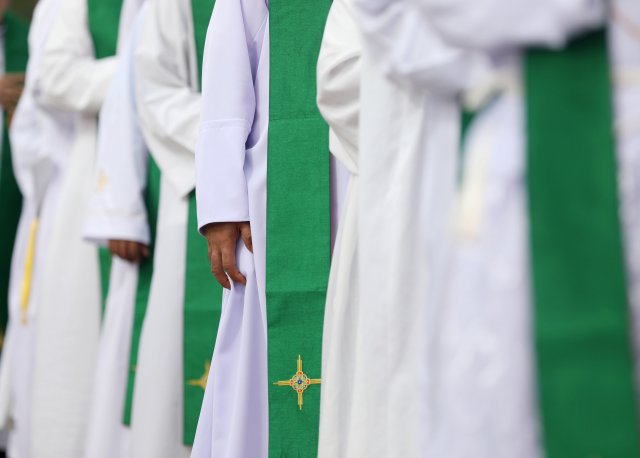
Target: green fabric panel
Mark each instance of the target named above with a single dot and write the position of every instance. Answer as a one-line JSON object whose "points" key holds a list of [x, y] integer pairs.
{"points": [[10, 206], [582, 327], [16, 43], [16, 55], [104, 22], [203, 295], [298, 223], [202, 10], [145, 275], [104, 257]]}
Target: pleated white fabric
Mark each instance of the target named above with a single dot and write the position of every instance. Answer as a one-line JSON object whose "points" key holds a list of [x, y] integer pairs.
{"points": [[339, 73], [117, 212], [169, 104], [406, 179], [69, 310]]}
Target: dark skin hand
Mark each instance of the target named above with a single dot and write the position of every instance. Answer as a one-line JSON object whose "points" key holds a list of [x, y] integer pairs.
{"points": [[128, 250], [11, 86], [222, 239]]}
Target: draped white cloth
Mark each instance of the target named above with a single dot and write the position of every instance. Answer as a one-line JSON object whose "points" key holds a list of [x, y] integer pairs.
{"points": [[41, 139], [117, 212], [71, 79], [406, 179], [339, 74], [231, 175], [169, 104]]}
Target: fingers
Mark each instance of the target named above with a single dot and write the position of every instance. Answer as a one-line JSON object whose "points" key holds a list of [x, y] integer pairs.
{"points": [[229, 262], [128, 250], [217, 270], [245, 233], [114, 247]]}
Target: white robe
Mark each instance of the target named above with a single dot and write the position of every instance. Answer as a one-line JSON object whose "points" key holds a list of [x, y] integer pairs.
{"points": [[487, 378], [339, 74], [69, 311], [41, 138], [231, 175], [169, 104], [231, 171], [117, 211], [407, 174]]}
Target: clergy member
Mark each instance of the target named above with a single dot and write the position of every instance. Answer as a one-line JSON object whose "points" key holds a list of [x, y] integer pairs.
{"points": [[409, 128], [118, 217], [76, 70], [339, 76], [41, 139], [169, 368], [539, 314], [263, 145]]}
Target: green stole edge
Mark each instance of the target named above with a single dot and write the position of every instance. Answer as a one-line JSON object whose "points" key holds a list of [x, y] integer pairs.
{"points": [[145, 276], [581, 315], [16, 52], [203, 295], [298, 222]]}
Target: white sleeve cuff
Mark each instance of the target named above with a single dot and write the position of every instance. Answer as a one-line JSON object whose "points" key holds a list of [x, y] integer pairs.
{"points": [[99, 228], [221, 186]]}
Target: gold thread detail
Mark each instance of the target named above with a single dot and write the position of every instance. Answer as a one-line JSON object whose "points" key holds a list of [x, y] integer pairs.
{"points": [[299, 382]]}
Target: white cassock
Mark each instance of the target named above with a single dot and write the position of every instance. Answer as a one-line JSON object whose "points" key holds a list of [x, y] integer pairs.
{"points": [[409, 132], [41, 139], [487, 376], [339, 76], [231, 177], [69, 311], [117, 211], [169, 104]]}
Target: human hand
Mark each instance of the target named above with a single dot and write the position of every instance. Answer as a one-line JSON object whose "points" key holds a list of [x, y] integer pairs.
{"points": [[222, 239], [128, 250], [11, 86]]}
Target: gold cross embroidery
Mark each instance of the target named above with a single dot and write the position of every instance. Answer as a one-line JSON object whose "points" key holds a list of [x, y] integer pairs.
{"points": [[299, 382], [202, 381]]}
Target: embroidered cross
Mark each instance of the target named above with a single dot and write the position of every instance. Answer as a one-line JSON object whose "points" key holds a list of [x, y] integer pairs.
{"points": [[299, 382], [202, 381]]}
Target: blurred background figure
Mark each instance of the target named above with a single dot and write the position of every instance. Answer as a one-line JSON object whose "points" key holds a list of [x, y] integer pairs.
{"points": [[118, 217], [75, 72], [176, 337]]}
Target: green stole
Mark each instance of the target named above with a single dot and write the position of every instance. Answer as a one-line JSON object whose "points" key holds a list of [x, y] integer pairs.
{"points": [[104, 23], [581, 316], [298, 226], [203, 295], [16, 52]]}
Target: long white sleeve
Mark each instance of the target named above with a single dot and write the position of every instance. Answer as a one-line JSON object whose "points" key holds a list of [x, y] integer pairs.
{"points": [[407, 48], [117, 210], [339, 73], [71, 77], [494, 24], [168, 100], [234, 42]]}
